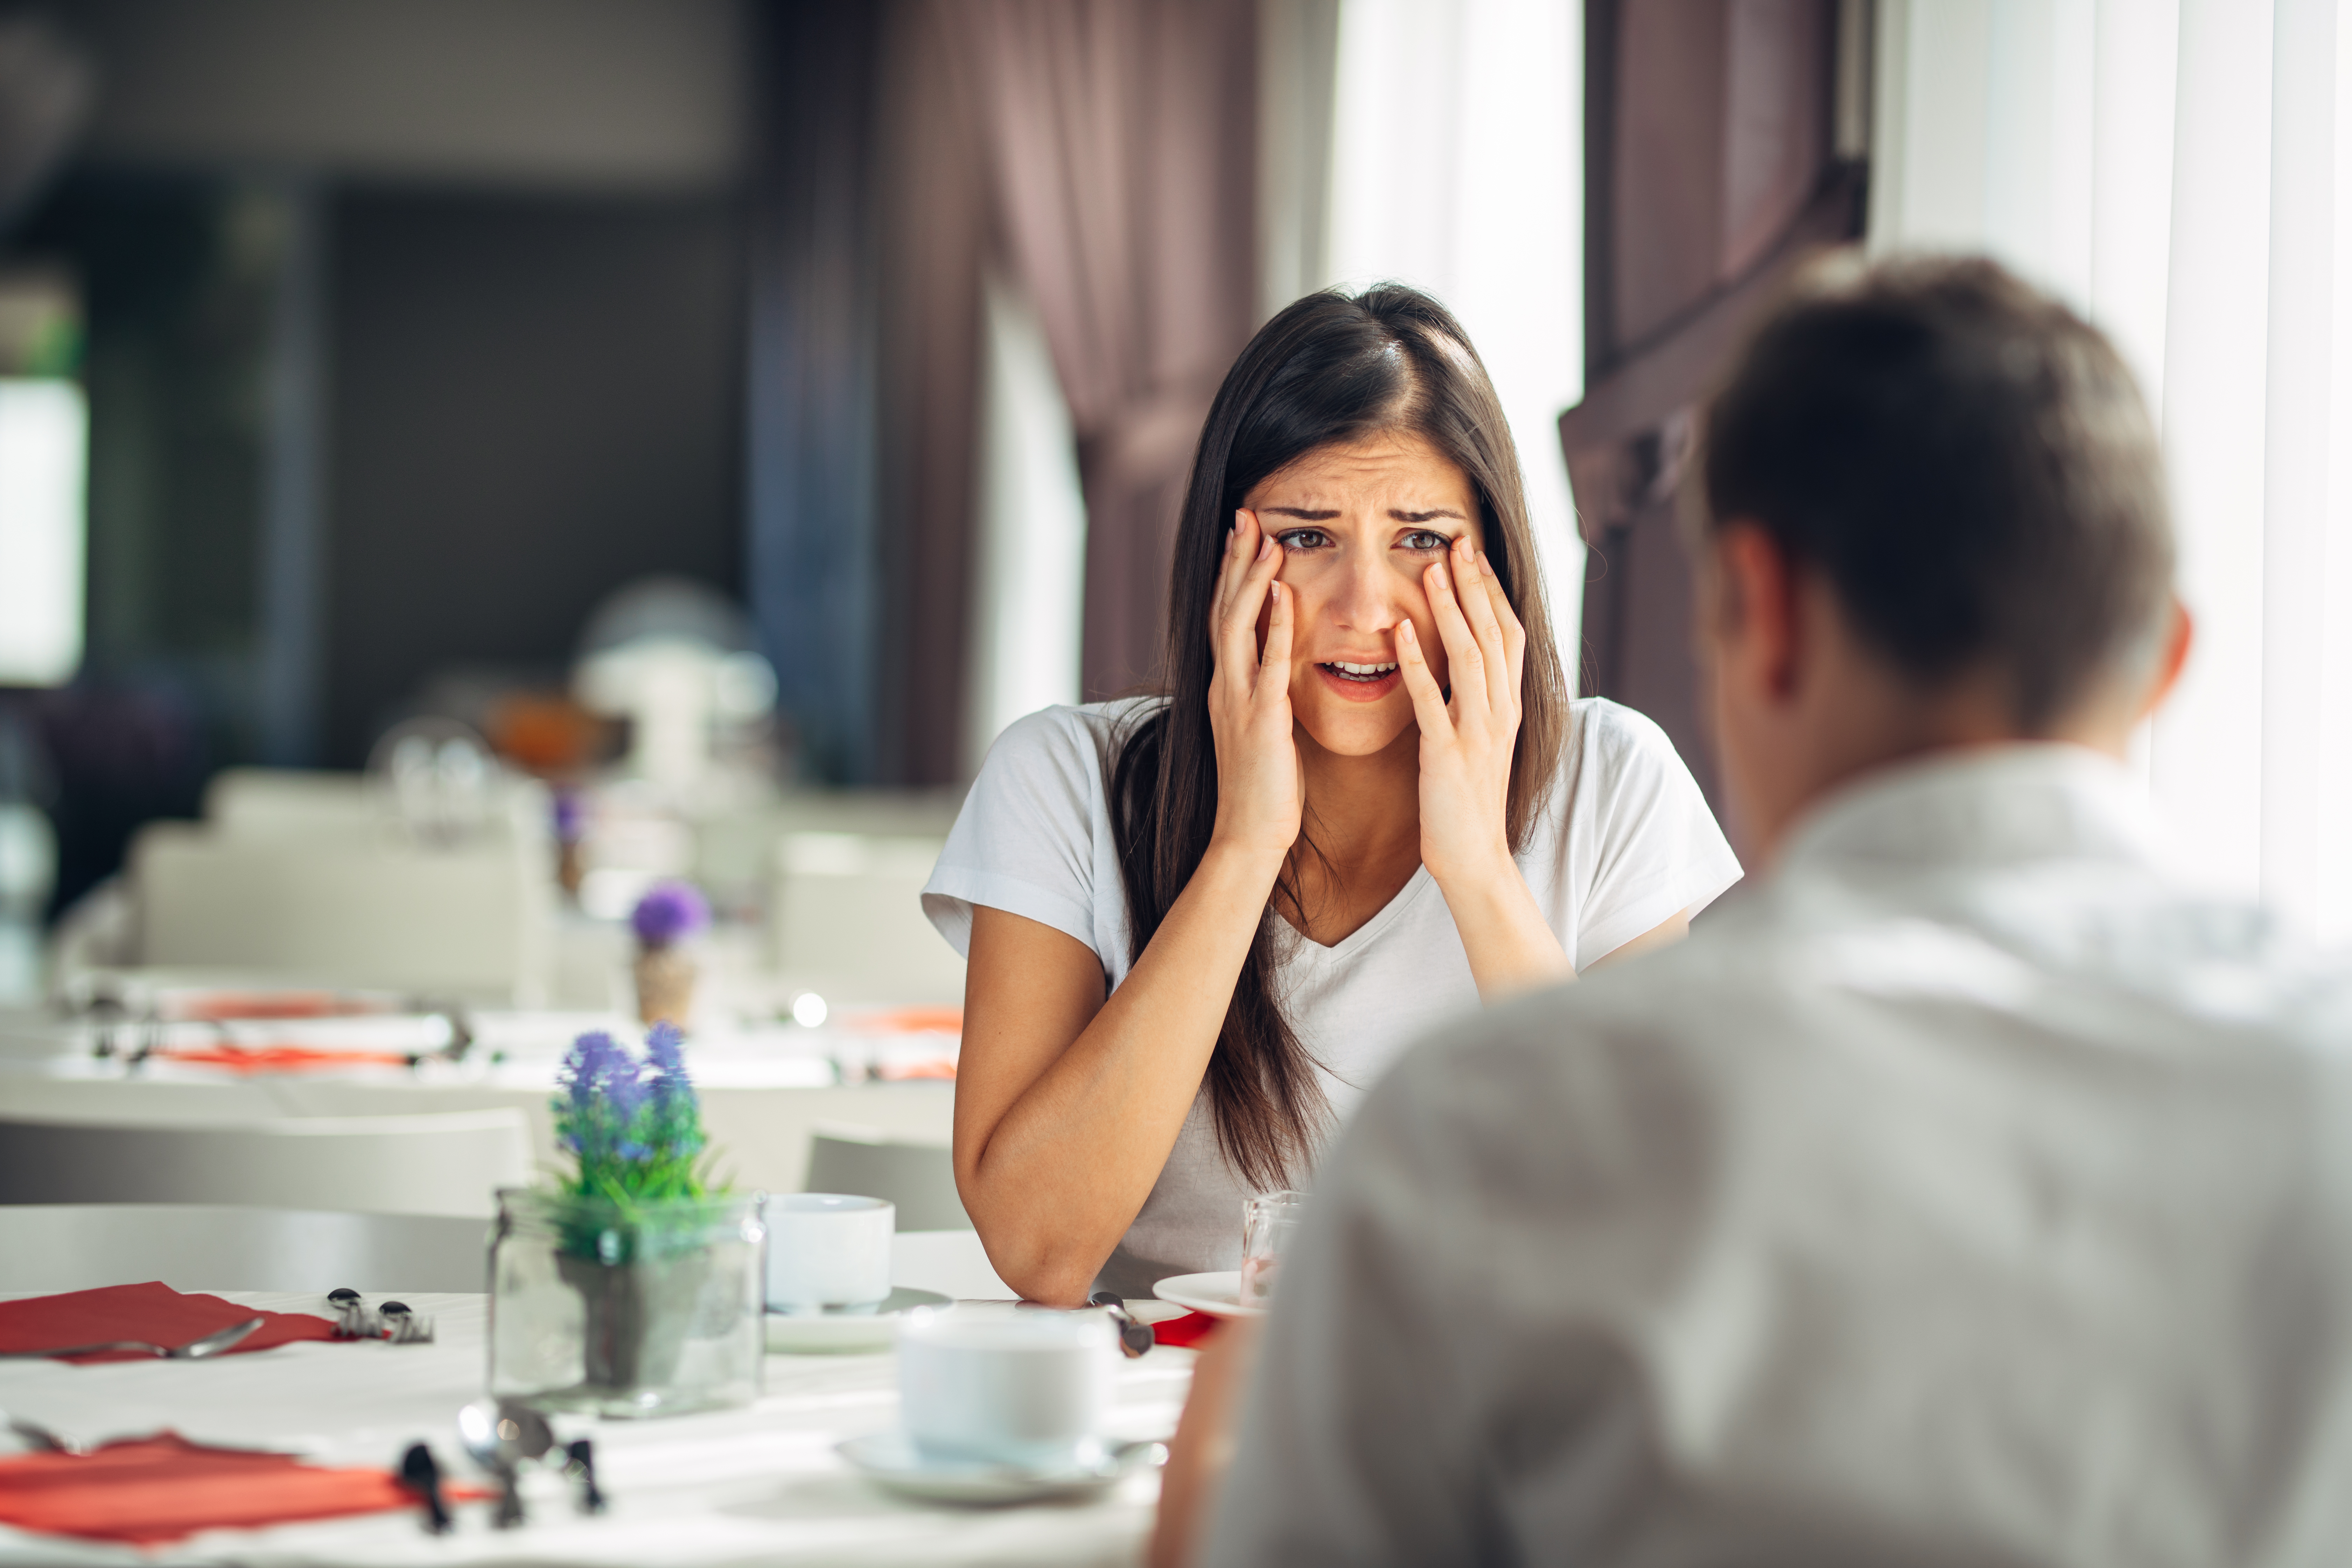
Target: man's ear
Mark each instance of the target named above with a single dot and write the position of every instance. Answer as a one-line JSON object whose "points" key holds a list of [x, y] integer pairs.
{"points": [[2180, 636], [1758, 628]]}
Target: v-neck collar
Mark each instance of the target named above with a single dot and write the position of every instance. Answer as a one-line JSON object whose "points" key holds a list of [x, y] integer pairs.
{"points": [[1354, 941]]}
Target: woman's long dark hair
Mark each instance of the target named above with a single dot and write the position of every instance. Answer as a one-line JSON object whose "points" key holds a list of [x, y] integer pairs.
{"points": [[1330, 370]]}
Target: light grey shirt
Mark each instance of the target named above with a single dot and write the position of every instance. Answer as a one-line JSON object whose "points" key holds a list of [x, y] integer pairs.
{"points": [[1967, 1191], [1625, 841]]}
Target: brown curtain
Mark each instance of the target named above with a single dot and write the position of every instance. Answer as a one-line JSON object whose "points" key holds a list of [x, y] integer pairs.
{"points": [[1103, 153], [1122, 137], [1710, 171], [933, 225]]}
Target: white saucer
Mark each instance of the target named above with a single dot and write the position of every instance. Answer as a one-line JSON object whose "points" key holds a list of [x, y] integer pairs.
{"points": [[837, 1330], [891, 1461], [1219, 1295]]}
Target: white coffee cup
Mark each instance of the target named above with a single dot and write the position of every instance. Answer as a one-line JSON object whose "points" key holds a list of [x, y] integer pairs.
{"points": [[1021, 1388], [828, 1250]]}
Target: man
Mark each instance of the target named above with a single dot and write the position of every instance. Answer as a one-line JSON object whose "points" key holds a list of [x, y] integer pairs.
{"points": [[1969, 1192]]}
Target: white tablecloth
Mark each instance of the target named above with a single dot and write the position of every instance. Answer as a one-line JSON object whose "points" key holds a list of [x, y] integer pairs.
{"points": [[761, 1099], [756, 1486]]}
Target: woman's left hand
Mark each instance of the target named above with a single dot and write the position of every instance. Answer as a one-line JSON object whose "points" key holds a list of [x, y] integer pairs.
{"points": [[1466, 744]]}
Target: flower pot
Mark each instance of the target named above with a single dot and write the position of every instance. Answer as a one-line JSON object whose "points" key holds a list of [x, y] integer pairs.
{"points": [[666, 978], [648, 1308]]}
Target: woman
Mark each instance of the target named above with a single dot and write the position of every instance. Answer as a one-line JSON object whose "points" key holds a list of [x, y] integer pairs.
{"points": [[1201, 923]]}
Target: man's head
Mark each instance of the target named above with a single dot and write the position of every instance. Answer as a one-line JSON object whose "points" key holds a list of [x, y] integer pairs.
{"points": [[1935, 516]]}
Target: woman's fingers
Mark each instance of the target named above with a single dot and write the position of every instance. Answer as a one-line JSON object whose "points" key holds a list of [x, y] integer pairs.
{"points": [[1428, 698], [1515, 633], [1240, 546], [1466, 669], [1480, 595], [1237, 653], [1274, 665]]}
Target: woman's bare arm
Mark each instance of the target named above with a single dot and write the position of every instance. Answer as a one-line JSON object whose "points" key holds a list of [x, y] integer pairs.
{"points": [[1067, 1105]]}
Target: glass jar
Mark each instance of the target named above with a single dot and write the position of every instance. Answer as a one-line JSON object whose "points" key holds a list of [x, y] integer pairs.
{"points": [[650, 1308]]}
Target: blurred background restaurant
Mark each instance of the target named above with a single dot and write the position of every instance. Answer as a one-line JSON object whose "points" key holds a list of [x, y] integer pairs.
{"points": [[477, 477]]}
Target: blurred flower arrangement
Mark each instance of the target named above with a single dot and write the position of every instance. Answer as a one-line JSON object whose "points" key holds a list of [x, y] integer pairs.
{"points": [[600, 1282], [668, 915], [633, 1125]]}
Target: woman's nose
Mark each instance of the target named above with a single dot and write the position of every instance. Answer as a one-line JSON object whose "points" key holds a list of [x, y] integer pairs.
{"points": [[1366, 598]]}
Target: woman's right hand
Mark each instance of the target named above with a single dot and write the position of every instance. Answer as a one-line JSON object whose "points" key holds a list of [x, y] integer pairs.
{"points": [[1261, 789]]}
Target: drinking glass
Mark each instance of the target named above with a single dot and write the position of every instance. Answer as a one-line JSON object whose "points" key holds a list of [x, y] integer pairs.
{"points": [[1269, 1223]]}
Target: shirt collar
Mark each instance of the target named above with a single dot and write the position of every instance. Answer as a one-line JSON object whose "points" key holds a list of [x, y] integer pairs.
{"points": [[1981, 806]]}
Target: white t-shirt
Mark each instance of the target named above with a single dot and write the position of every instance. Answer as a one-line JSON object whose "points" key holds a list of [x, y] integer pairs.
{"points": [[1625, 842]]}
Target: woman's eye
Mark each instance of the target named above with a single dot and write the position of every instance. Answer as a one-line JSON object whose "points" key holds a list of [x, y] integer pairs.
{"points": [[1303, 539], [1426, 539]]}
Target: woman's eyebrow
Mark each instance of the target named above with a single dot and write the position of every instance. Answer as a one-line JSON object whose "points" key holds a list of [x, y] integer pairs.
{"points": [[1426, 516], [1301, 513]]}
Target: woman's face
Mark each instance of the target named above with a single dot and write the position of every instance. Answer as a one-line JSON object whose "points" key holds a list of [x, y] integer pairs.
{"points": [[1357, 526]]}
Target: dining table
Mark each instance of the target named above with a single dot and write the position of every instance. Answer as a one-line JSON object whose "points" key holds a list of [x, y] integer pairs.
{"points": [[757, 1484]]}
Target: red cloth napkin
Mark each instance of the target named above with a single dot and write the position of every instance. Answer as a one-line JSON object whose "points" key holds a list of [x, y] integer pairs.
{"points": [[1185, 1332], [279, 1059], [146, 1491], [153, 1311]]}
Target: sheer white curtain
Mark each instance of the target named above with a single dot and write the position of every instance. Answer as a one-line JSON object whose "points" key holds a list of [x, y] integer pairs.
{"points": [[2182, 169], [1030, 567], [1456, 166]]}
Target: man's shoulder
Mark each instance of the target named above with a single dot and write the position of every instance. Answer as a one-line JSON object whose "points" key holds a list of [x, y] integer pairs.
{"points": [[1600, 1076]]}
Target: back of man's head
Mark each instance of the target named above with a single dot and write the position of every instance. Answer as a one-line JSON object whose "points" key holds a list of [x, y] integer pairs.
{"points": [[1969, 465]]}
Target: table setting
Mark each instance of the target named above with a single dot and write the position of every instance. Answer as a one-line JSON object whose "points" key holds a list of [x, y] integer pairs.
{"points": [[661, 1370]]}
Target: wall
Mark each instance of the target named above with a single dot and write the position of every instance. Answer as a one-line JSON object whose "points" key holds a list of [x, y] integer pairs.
{"points": [[534, 401]]}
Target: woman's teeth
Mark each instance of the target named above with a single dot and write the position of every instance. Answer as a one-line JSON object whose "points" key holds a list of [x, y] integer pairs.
{"points": [[1346, 671]]}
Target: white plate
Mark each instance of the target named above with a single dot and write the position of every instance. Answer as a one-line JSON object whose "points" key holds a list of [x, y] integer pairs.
{"points": [[835, 1331], [1219, 1295], [891, 1461]]}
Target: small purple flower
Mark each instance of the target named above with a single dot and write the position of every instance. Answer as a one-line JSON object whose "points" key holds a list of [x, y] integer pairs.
{"points": [[666, 1055], [627, 1094], [669, 912], [571, 816], [590, 1066]]}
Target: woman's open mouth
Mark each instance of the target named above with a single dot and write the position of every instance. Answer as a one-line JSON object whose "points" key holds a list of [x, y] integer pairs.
{"points": [[1359, 682]]}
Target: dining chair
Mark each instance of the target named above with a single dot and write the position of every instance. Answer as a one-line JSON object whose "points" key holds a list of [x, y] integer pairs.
{"points": [[469, 921], [846, 919], [447, 1162], [917, 1177], [209, 1247]]}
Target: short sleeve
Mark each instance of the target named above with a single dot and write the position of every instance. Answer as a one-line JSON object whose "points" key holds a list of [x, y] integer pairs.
{"points": [[1654, 847], [1025, 841]]}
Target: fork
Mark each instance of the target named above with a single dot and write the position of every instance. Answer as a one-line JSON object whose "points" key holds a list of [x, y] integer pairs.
{"points": [[212, 1345]]}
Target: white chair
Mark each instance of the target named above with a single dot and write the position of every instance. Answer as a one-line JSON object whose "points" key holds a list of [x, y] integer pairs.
{"points": [[847, 919], [471, 922], [450, 1162], [291, 802], [196, 1246], [917, 1177]]}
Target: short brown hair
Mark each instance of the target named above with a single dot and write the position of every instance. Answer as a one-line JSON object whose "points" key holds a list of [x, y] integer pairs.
{"points": [[1968, 462]]}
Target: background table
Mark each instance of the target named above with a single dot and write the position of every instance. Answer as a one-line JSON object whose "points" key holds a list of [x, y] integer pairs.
{"points": [[756, 1486], [759, 1105]]}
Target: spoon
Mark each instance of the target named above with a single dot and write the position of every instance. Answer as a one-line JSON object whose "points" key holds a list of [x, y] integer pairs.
{"points": [[1135, 1336], [38, 1436], [212, 1345], [499, 1437]]}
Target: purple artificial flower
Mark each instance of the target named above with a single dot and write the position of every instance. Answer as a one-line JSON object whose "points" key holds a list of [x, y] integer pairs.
{"points": [[665, 1054], [571, 816], [626, 1093], [590, 1066], [669, 912]]}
